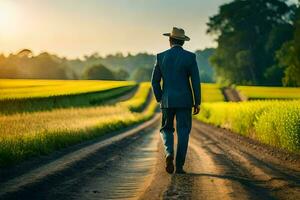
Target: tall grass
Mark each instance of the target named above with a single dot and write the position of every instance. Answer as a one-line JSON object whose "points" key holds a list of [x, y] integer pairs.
{"points": [[276, 123], [26, 135]]}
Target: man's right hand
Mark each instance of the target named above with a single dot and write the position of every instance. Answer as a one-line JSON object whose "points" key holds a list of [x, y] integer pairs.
{"points": [[196, 109]]}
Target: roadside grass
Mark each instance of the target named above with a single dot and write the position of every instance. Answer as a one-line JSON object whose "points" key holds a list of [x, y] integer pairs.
{"points": [[272, 122], [18, 96], [138, 102], [26, 135], [211, 92], [262, 92]]}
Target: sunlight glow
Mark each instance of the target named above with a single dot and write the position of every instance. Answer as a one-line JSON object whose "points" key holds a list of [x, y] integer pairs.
{"points": [[76, 28], [8, 15]]}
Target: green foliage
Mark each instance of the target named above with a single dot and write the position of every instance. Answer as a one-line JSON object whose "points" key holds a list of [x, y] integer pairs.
{"points": [[43, 66], [289, 56], [142, 74], [98, 72], [205, 69], [120, 61], [248, 34], [272, 122], [131, 67], [121, 75]]}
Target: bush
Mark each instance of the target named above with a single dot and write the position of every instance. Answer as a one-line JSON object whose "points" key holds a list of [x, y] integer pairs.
{"points": [[98, 72], [276, 123]]}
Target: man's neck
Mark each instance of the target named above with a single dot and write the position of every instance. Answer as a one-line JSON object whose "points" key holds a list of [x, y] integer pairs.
{"points": [[175, 45]]}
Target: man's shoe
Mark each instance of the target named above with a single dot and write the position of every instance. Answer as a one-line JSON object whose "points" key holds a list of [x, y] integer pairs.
{"points": [[180, 171], [169, 164]]}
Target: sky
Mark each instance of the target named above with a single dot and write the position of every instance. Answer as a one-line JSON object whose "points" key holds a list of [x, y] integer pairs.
{"points": [[73, 28]]}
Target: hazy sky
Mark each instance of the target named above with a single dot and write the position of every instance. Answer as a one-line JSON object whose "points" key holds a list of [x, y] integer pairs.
{"points": [[73, 28]]}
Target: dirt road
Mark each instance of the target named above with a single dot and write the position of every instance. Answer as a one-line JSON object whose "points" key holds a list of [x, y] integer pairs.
{"points": [[232, 94], [220, 165]]}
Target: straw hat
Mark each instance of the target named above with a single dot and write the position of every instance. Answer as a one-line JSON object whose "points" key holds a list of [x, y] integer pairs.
{"points": [[177, 33]]}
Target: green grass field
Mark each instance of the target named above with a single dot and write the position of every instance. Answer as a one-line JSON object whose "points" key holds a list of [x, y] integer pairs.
{"points": [[260, 92], [211, 92], [26, 135], [37, 95], [276, 123]]}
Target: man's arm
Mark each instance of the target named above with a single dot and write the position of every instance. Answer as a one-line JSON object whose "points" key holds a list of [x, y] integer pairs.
{"points": [[195, 80], [155, 81]]}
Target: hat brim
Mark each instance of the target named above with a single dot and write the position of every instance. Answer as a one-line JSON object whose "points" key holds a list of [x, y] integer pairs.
{"points": [[185, 38]]}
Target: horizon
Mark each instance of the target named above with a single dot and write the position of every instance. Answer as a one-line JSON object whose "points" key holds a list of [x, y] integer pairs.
{"points": [[74, 29], [124, 54]]}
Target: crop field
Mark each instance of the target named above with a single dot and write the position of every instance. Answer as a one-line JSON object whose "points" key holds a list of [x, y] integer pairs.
{"points": [[35, 125], [21, 89], [37, 95], [273, 122], [138, 102], [260, 92], [25, 135], [211, 92]]}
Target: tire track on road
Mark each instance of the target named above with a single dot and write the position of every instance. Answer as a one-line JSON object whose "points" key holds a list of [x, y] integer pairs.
{"points": [[264, 180], [225, 166], [37, 183], [125, 176]]}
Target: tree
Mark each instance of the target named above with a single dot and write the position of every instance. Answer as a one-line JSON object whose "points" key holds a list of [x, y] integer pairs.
{"points": [[47, 66], [121, 75], [248, 34], [25, 53], [142, 74], [205, 69], [98, 72], [288, 56], [25, 65]]}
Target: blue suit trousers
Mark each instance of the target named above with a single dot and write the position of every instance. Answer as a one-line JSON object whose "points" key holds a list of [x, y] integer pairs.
{"points": [[183, 128]]}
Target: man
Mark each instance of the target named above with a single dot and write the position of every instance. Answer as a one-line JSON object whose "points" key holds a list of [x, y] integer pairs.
{"points": [[180, 92]]}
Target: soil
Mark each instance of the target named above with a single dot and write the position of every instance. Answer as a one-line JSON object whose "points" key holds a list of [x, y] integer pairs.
{"points": [[219, 165], [231, 94]]}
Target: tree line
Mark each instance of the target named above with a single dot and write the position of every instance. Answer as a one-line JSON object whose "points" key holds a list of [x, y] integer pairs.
{"points": [[258, 42], [24, 64]]}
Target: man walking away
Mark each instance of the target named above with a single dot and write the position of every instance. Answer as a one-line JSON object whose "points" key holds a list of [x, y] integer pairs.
{"points": [[180, 92]]}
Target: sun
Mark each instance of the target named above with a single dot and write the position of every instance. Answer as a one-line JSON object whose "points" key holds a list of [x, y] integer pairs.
{"points": [[7, 14]]}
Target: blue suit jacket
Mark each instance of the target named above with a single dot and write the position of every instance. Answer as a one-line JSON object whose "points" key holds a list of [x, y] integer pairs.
{"points": [[178, 70]]}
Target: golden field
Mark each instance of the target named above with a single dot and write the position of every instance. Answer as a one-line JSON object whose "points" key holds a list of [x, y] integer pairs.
{"points": [[24, 135], [261, 92], [211, 92], [19, 88], [40, 95]]}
